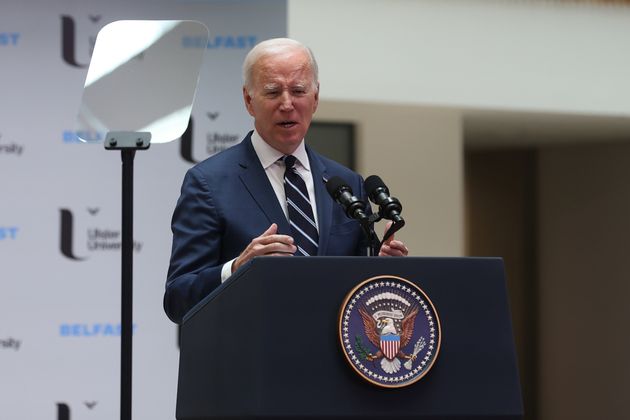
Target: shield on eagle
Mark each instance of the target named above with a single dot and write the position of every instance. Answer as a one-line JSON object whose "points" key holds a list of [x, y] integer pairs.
{"points": [[390, 344]]}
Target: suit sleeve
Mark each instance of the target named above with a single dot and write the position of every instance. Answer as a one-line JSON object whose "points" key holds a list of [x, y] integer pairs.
{"points": [[195, 266]]}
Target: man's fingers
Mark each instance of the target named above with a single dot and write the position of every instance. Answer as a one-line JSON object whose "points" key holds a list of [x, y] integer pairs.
{"points": [[270, 230], [271, 243], [268, 243], [266, 240], [271, 235], [398, 248], [394, 249], [391, 247], [391, 238], [274, 247], [390, 252]]}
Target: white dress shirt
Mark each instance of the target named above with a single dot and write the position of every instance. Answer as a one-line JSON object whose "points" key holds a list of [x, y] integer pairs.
{"points": [[274, 169]]}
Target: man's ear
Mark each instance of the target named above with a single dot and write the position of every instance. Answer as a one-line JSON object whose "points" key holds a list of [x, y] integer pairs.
{"points": [[248, 101], [316, 98]]}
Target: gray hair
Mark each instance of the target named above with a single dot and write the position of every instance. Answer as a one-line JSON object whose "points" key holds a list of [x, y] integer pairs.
{"points": [[271, 46]]}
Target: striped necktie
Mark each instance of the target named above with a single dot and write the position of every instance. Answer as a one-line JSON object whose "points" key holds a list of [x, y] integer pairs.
{"points": [[301, 218]]}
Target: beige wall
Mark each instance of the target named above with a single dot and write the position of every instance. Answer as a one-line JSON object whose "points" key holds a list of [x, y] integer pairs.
{"points": [[584, 255], [418, 153]]}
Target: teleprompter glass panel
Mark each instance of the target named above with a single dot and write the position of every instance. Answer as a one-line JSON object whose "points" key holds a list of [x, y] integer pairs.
{"points": [[141, 78]]}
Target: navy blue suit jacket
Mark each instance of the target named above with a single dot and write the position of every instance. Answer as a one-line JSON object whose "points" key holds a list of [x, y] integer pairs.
{"points": [[225, 202]]}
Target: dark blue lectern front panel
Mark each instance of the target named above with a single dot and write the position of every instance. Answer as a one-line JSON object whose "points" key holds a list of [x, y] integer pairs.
{"points": [[265, 344]]}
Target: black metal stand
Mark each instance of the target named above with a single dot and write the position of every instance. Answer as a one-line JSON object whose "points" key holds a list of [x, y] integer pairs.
{"points": [[127, 143], [373, 243], [126, 285], [395, 227]]}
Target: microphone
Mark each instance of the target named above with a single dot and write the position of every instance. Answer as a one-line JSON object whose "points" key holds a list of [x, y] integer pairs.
{"points": [[388, 207], [341, 192]]}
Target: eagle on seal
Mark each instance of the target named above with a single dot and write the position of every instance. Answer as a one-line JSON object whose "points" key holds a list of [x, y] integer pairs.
{"points": [[382, 332]]}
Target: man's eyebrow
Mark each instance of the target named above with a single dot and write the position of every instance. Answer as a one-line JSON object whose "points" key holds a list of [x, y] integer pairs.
{"points": [[270, 86]]}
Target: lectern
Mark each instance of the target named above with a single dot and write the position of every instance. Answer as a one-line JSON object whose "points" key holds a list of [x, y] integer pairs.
{"points": [[266, 345]]}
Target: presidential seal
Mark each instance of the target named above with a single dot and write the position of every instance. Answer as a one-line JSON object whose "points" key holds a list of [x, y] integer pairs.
{"points": [[389, 331]]}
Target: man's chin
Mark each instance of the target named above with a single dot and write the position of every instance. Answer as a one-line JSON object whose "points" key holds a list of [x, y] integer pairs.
{"points": [[287, 143]]}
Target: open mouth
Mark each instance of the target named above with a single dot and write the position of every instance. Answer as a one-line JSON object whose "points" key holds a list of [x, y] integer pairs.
{"points": [[287, 124]]}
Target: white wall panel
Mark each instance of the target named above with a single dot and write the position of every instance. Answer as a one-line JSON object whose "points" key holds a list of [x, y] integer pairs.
{"points": [[64, 312], [536, 55]]}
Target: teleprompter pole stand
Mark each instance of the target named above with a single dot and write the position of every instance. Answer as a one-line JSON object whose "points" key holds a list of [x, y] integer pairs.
{"points": [[127, 143]]}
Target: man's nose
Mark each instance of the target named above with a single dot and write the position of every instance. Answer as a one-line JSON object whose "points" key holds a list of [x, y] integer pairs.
{"points": [[286, 101]]}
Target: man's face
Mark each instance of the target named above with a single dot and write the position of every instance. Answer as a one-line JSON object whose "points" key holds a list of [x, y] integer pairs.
{"points": [[282, 98]]}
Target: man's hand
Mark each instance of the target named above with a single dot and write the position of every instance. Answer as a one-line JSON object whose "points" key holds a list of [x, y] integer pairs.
{"points": [[392, 247], [269, 243]]}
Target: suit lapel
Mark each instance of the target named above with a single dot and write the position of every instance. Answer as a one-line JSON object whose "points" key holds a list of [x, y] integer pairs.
{"points": [[257, 184], [323, 200]]}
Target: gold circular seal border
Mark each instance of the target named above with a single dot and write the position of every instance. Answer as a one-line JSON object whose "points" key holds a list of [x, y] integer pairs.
{"points": [[437, 320]]}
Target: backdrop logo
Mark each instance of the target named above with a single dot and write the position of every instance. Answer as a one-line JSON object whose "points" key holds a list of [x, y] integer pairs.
{"points": [[95, 238], [63, 409], [8, 233], [228, 42], [10, 344], [10, 148], [96, 329], [9, 39], [215, 141], [69, 40]]}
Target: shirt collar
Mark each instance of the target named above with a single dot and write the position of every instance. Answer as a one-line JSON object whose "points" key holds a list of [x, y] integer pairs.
{"points": [[268, 155]]}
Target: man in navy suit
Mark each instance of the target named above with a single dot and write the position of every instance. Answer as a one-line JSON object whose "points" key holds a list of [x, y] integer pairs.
{"points": [[233, 205]]}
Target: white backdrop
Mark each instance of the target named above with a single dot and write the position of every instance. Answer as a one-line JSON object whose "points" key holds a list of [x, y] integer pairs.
{"points": [[60, 206]]}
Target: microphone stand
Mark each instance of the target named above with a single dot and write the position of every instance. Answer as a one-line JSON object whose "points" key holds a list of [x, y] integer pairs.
{"points": [[397, 224], [373, 243], [127, 142]]}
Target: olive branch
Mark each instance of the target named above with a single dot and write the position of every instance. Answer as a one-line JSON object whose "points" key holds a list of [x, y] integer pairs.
{"points": [[362, 352]]}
